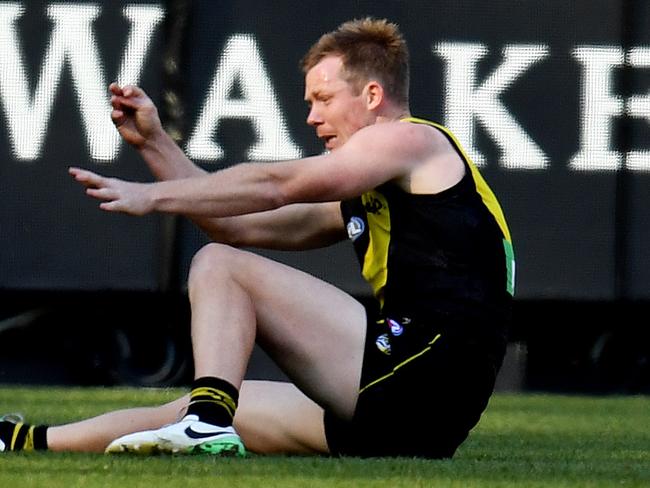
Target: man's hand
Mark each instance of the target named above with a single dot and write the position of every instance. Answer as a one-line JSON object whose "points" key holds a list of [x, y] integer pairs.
{"points": [[134, 114], [116, 195]]}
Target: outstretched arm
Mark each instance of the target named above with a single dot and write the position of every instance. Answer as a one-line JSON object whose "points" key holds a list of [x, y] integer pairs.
{"points": [[293, 227], [413, 156], [374, 155]]}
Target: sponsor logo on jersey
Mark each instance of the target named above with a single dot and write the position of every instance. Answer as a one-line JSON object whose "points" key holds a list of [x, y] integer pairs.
{"points": [[355, 228], [383, 343], [395, 327], [373, 205]]}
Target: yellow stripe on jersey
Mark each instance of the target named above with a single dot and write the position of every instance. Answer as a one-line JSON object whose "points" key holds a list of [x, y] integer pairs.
{"points": [[488, 197], [375, 263]]}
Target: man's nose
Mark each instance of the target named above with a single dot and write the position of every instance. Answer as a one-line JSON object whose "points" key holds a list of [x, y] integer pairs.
{"points": [[313, 117]]}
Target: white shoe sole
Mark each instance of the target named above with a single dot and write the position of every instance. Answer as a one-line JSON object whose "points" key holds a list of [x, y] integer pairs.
{"points": [[227, 446]]}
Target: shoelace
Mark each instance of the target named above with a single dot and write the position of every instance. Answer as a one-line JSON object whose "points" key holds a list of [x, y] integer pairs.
{"points": [[15, 418]]}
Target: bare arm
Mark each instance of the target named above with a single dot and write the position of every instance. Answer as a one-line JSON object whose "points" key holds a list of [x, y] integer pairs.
{"points": [[292, 227], [374, 155], [413, 156]]}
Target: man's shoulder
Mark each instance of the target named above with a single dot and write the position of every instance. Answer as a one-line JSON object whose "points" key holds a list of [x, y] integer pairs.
{"points": [[405, 133]]}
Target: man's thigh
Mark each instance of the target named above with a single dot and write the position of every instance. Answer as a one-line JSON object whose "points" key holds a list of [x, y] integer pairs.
{"points": [[314, 331], [277, 418]]}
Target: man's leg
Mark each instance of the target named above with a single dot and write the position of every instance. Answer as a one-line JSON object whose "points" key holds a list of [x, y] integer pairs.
{"points": [[314, 331], [94, 434], [274, 417]]}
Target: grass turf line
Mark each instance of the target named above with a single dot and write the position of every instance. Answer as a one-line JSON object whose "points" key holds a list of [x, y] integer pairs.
{"points": [[523, 440]]}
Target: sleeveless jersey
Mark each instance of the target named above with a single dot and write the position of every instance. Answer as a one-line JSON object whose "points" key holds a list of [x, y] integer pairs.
{"points": [[445, 256]]}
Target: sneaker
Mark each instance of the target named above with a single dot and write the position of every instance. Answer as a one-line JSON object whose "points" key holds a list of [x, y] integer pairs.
{"points": [[189, 436], [10, 425]]}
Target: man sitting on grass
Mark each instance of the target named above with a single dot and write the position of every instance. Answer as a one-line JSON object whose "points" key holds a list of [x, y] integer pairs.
{"points": [[407, 377]]}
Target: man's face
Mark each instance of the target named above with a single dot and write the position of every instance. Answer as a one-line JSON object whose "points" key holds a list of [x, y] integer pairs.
{"points": [[335, 111]]}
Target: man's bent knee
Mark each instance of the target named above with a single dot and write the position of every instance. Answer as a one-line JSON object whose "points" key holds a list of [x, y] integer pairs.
{"points": [[211, 255], [213, 259], [216, 265]]}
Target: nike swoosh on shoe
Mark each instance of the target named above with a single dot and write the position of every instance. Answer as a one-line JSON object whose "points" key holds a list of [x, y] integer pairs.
{"points": [[192, 434]]}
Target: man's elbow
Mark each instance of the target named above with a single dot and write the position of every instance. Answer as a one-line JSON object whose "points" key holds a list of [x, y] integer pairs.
{"points": [[223, 230], [279, 196]]}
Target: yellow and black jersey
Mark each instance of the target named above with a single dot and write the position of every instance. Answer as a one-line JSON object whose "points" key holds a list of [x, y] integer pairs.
{"points": [[432, 255]]}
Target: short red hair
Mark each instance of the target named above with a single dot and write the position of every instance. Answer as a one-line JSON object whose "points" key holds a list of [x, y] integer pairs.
{"points": [[371, 49]]}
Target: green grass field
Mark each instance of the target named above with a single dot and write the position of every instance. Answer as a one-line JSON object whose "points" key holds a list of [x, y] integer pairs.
{"points": [[523, 440]]}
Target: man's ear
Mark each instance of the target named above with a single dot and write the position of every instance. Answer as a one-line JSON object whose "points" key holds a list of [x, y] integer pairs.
{"points": [[374, 94]]}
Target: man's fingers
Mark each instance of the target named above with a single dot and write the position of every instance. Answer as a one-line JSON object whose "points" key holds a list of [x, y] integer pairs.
{"points": [[126, 90], [117, 116], [112, 206], [102, 193], [128, 103], [128, 96], [81, 174], [115, 89], [116, 195], [132, 91], [87, 178]]}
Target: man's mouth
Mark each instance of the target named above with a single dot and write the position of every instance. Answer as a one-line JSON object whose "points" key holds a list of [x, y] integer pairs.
{"points": [[329, 141]]}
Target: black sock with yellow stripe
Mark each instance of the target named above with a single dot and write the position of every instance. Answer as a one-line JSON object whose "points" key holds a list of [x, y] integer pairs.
{"points": [[213, 400], [18, 436]]}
